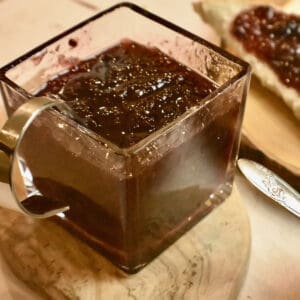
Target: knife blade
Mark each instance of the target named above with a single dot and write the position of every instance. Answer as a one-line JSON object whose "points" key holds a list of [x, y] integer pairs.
{"points": [[250, 151], [271, 185]]}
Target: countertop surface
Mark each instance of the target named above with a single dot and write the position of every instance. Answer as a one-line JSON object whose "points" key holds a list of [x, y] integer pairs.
{"points": [[274, 268]]}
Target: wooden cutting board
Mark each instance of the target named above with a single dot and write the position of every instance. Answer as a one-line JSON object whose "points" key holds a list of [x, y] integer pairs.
{"points": [[208, 262]]}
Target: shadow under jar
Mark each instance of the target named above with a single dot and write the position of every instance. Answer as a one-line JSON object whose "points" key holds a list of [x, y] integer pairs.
{"points": [[157, 149]]}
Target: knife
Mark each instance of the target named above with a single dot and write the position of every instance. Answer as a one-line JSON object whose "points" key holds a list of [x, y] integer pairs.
{"points": [[271, 185]]}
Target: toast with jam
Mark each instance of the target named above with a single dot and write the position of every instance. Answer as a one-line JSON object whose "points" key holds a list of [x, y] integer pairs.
{"points": [[267, 35]]}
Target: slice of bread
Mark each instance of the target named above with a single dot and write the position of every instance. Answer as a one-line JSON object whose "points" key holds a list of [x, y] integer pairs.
{"points": [[221, 14]]}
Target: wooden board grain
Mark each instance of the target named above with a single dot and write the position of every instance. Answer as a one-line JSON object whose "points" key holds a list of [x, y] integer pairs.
{"points": [[271, 127], [208, 262]]}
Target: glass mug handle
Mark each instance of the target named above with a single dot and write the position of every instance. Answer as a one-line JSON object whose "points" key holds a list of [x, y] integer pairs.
{"points": [[11, 136]]}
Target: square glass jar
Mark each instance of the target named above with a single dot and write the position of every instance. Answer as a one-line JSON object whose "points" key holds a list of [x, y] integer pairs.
{"points": [[131, 203]]}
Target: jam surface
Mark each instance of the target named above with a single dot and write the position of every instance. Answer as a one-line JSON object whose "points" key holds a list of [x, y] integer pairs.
{"points": [[274, 37], [129, 91]]}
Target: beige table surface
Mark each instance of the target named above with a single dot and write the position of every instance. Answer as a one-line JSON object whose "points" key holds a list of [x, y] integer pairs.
{"points": [[274, 269]]}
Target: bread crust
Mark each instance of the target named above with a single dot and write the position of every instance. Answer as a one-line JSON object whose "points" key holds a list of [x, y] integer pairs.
{"points": [[220, 15]]}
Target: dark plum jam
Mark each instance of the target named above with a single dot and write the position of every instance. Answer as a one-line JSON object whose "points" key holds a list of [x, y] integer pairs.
{"points": [[274, 37], [129, 91]]}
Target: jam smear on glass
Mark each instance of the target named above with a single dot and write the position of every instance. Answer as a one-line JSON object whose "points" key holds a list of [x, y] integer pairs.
{"points": [[129, 91], [274, 37]]}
